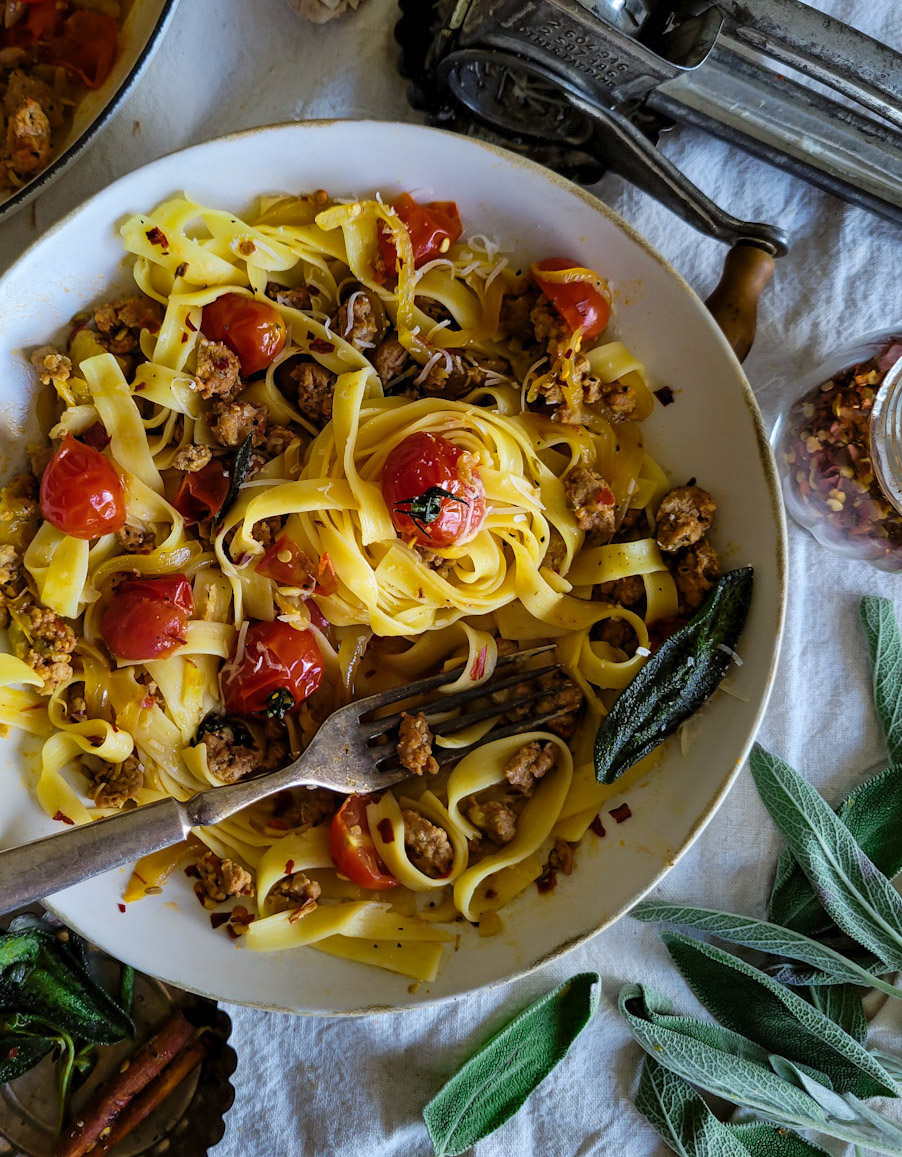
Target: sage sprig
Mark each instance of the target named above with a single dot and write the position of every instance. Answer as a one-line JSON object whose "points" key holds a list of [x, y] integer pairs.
{"points": [[857, 895], [496, 1080]]}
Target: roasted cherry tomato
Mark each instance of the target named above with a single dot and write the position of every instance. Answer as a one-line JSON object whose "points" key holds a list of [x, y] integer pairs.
{"points": [[81, 493], [430, 500], [433, 229], [201, 493], [86, 46], [252, 329], [580, 304], [352, 849], [277, 669], [148, 617], [286, 564]]}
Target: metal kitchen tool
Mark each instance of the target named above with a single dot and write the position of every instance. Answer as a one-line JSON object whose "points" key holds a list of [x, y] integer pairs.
{"points": [[588, 85]]}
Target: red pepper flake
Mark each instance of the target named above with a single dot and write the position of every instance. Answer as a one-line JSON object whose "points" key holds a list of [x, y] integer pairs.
{"points": [[621, 813], [217, 919], [190, 324], [156, 236], [95, 436], [386, 831], [606, 496], [147, 702], [547, 881], [665, 396], [192, 871], [305, 909], [184, 338], [319, 345], [478, 669], [13, 1053], [140, 386], [327, 583], [289, 867], [490, 893], [64, 819], [597, 827], [240, 915], [121, 907]]}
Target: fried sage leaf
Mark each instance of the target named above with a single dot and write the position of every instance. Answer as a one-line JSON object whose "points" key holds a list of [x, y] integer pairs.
{"points": [[857, 895], [826, 966], [689, 1127], [750, 1003], [495, 1082], [20, 1052], [676, 681], [240, 469]]}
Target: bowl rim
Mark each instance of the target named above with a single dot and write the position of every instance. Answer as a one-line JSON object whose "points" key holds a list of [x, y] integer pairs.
{"points": [[770, 474], [47, 176]]}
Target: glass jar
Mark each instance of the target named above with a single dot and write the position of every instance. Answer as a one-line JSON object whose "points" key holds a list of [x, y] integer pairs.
{"points": [[839, 451]]}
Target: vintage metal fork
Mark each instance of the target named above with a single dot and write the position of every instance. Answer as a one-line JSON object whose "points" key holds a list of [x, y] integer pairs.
{"points": [[354, 752]]}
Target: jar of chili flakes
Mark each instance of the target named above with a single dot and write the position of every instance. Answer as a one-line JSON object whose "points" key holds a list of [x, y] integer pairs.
{"points": [[839, 448]]}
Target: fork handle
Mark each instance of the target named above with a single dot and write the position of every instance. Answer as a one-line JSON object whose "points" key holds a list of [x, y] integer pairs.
{"points": [[33, 871]]}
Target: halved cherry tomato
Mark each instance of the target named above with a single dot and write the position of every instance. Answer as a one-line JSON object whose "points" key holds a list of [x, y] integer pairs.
{"points": [[287, 564], [201, 493], [147, 617], [428, 499], [81, 493], [352, 849], [252, 329], [579, 303], [43, 17], [278, 668], [86, 46], [433, 229]]}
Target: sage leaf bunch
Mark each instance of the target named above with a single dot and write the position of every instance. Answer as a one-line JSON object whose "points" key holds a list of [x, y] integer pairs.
{"points": [[496, 1080]]}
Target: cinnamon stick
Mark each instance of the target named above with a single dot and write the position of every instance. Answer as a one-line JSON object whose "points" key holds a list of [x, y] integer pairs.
{"points": [[151, 1058], [154, 1095]]}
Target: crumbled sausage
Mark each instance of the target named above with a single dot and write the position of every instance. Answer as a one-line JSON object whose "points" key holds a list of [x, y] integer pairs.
{"points": [[685, 515], [415, 744], [313, 386], [529, 763], [10, 565], [232, 422], [427, 845], [191, 458], [390, 359], [277, 440], [114, 784], [218, 373], [556, 552], [621, 400], [77, 709], [294, 891], [218, 879], [566, 701], [695, 570], [28, 138], [266, 531], [625, 592], [136, 541], [119, 323], [591, 500], [356, 321], [496, 819], [561, 857], [515, 310], [616, 633], [46, 644], [52, 367], [456, 376], [278, 748], [24, 86], [227, 758], [295, 297], [550, 329], [303, 807]]}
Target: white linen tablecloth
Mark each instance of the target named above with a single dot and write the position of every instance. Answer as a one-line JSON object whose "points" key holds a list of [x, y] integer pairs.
{"points": [[314, 1087]]}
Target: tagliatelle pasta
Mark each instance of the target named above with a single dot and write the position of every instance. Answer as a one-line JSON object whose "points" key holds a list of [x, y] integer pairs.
{"points": [[255, 401]]}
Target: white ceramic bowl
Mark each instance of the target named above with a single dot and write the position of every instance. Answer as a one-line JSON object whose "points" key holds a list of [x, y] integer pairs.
{"points": [[713, 431], [142, 29]]}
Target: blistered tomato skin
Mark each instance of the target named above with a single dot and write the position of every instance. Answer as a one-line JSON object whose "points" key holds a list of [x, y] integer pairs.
{"points": [[81, 493], [275, 659], [147, 617], [352, 848], [416, 471], [252, 329], [433, 229], [579, 303]]}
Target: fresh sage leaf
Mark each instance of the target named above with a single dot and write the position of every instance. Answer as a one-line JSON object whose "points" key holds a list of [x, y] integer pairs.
{"points": [[842, 1004], [240, 469], [689, 1127], [829, 966], [885, 648], [741, 1080], [750, 1003], [20, 1052], [859, 898], [682, 674], [495, 1081]]}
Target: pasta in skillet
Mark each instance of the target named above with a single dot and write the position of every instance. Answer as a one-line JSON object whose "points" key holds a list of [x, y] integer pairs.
{"points": [[321, 452]]}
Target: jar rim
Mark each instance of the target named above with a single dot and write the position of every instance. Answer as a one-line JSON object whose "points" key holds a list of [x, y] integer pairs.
{"points": [[885, 432]]}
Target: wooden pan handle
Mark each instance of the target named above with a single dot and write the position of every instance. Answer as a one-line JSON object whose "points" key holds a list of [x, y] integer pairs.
{"points": [[734, 303]]}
